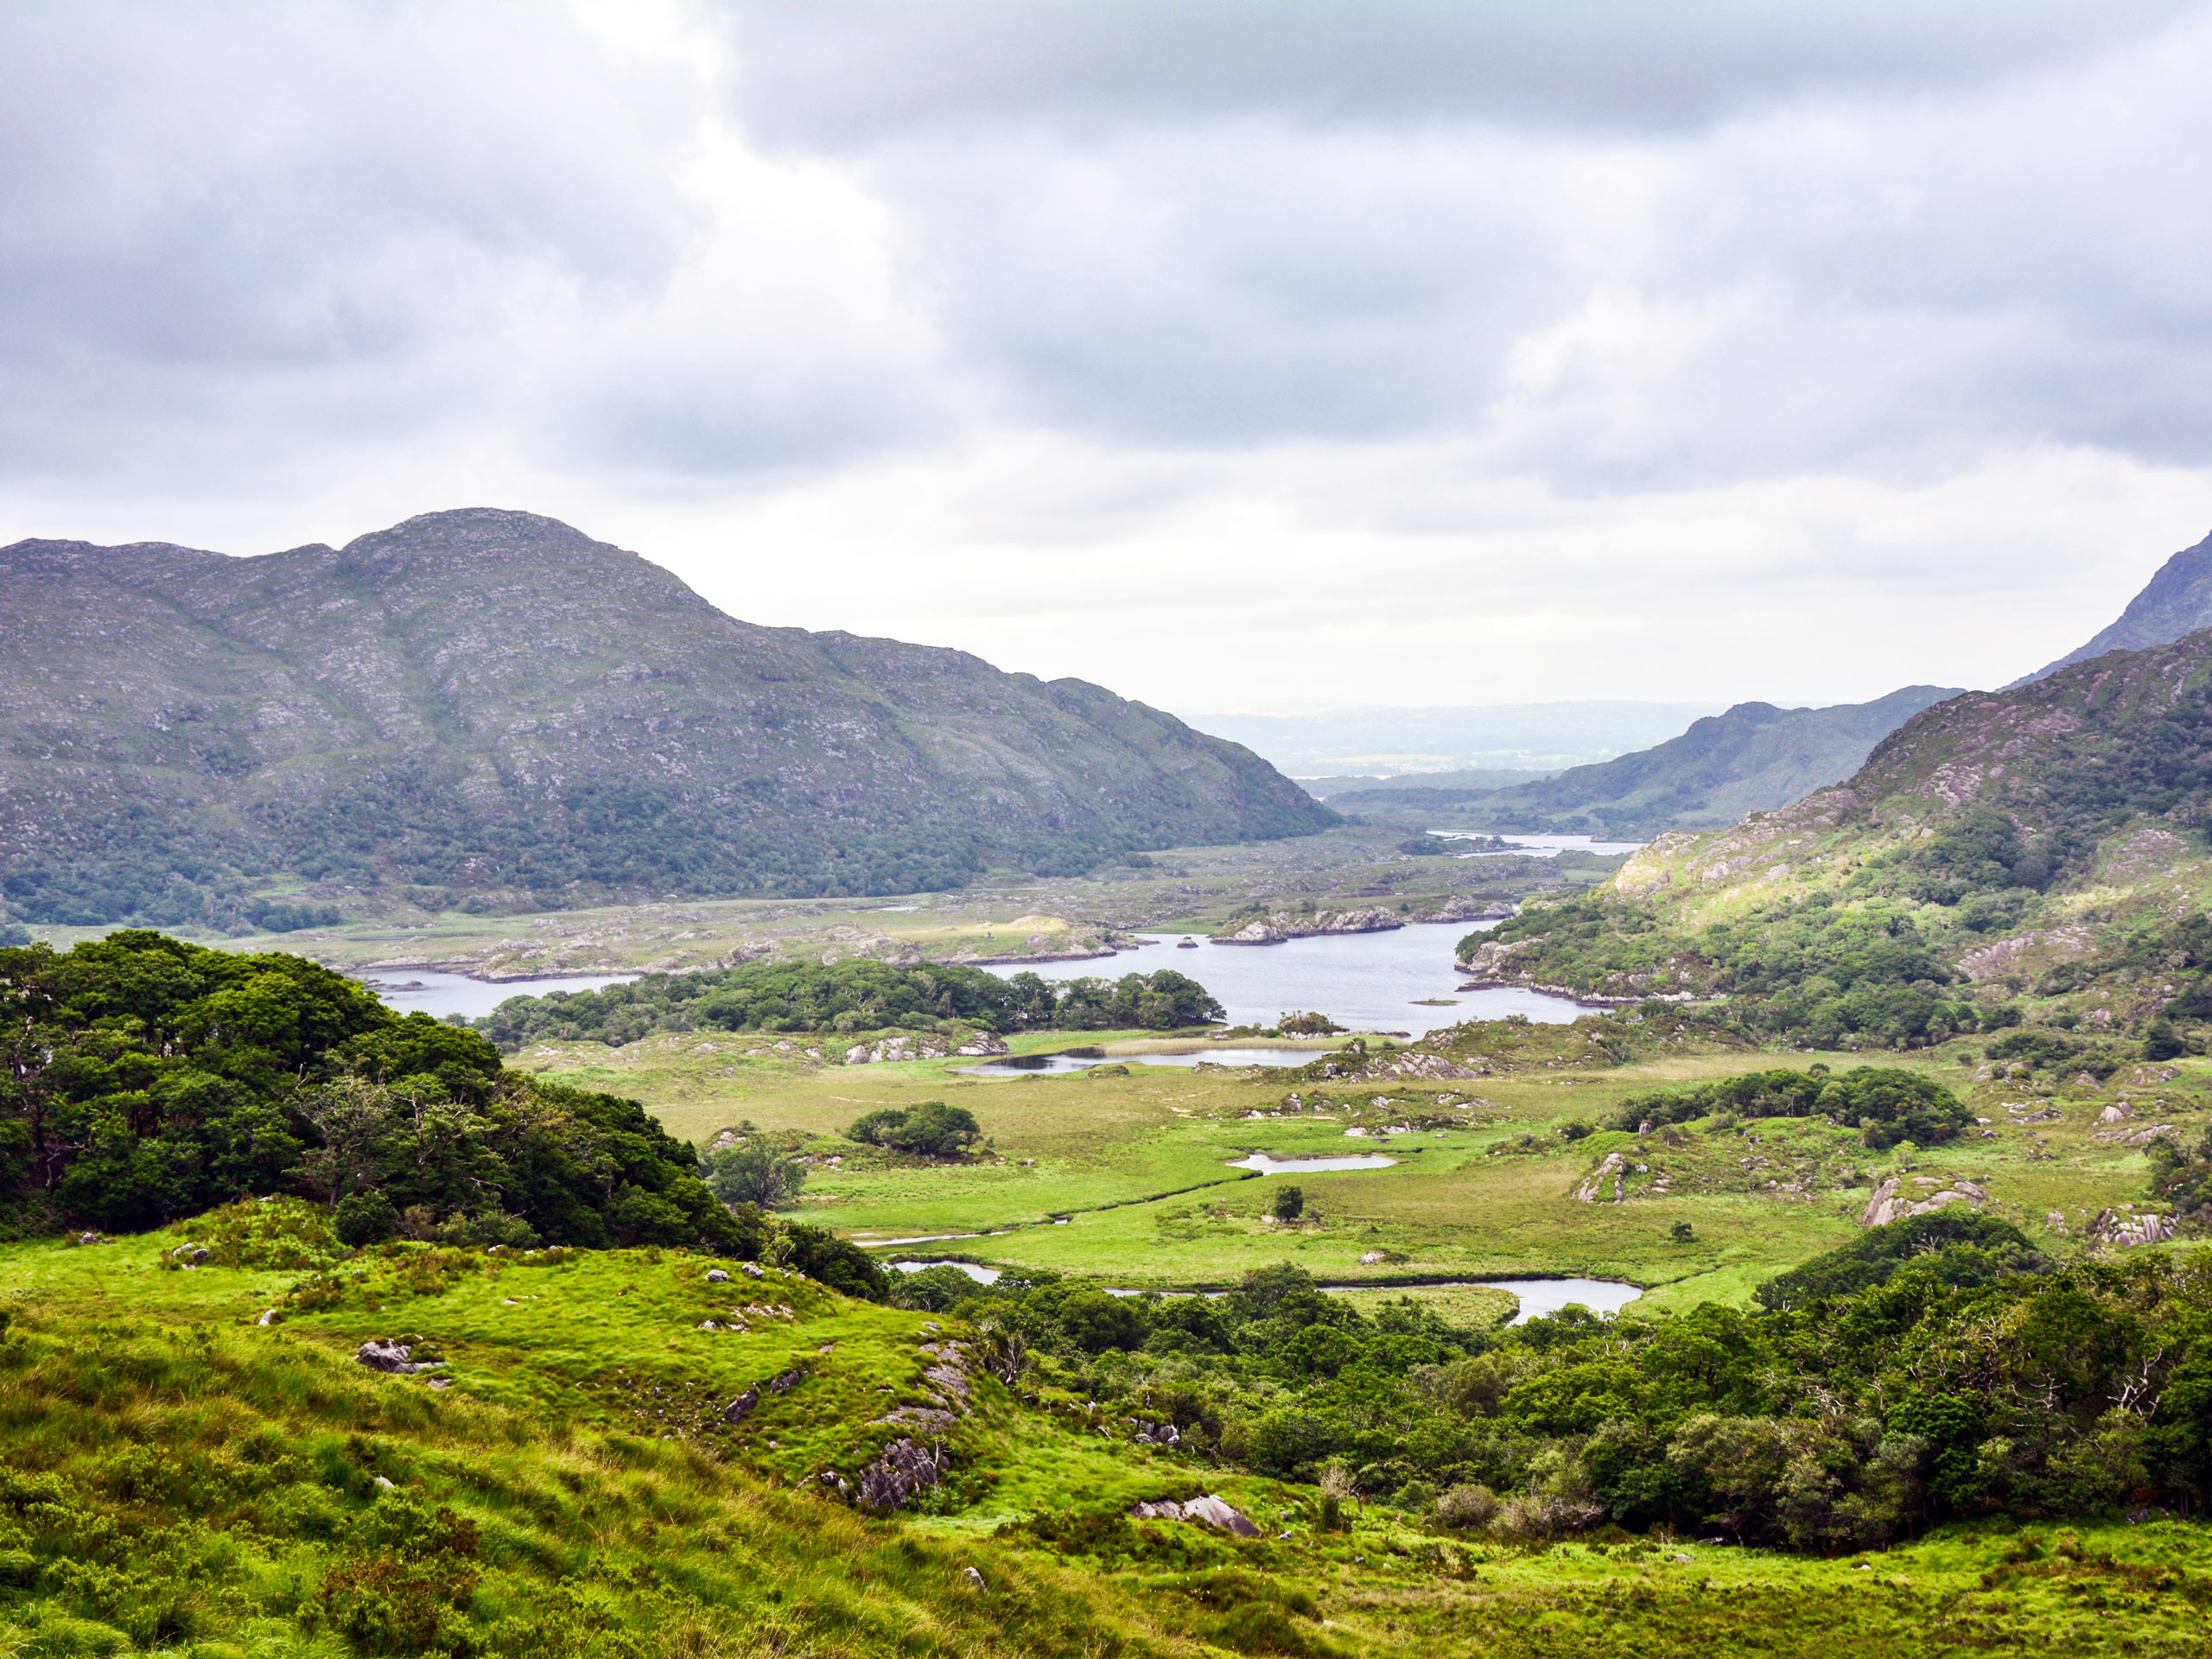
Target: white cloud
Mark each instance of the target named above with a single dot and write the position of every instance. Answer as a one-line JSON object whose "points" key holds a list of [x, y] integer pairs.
{"points": [[1231, 356]]}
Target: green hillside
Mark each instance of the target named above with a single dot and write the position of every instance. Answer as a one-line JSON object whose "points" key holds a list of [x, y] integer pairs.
{"points": [[2044, 842], [1754, 758], [489, 707]]}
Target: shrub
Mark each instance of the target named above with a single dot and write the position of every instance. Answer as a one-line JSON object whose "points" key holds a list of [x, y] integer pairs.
{"points": [[365, 1218], [1289, 1204], [931, 1129], [755, 1174], [1467, 1506]]}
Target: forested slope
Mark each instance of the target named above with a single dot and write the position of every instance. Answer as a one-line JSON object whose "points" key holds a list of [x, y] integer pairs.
{"points": [[490, 704]]}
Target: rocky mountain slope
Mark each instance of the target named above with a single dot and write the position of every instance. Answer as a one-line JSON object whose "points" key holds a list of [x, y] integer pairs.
{"points": [[1751, 758], [2046, 841], [2176, 602], [492, 703]]}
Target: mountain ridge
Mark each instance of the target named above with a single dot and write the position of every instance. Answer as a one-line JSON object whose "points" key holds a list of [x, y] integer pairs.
{"points": [[492, 702], [2176, 602], [1755, 757]]}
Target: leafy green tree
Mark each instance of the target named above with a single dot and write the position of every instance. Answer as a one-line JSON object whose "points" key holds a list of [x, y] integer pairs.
{"points": [[1289, 1203], [754, 1172]]}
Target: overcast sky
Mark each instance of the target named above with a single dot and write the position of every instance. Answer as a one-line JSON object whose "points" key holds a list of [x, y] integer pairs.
{"points": [[1237, 356]]}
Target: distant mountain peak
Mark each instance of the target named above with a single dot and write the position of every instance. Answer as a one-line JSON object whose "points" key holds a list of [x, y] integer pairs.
{"points": [[2175, 602]]}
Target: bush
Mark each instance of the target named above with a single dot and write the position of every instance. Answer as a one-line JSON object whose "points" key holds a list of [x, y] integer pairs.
{"points": [[931, 1129], [365, 1218], [1467, 1506], [1289, 1204]]}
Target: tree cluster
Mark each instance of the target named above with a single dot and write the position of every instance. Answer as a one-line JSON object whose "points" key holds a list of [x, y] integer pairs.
{"points": [[1937, 1369], [854, 996]]}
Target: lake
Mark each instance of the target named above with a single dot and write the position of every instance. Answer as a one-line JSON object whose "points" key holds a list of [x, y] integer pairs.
{"points": [[1367, 982], [1542, 846], [419, 990]]}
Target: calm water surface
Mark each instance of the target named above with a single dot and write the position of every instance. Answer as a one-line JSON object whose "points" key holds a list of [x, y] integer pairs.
{"points": [[1369, 982], [1268, 1165], [419, 990], [1539, 1298]]}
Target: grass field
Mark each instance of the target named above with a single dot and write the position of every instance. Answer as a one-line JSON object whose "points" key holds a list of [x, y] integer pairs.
{"points": [[1126, 1179]]}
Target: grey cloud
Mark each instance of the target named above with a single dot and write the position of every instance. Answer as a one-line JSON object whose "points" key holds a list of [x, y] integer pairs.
{"points": [[818, 72]]}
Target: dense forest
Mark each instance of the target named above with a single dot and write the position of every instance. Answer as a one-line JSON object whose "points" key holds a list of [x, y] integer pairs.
{"points": [[148, 1079], [1937, 1367], [849, 996]]}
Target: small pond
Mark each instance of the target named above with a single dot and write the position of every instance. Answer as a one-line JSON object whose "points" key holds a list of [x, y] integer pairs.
{"points": [[1082, 1059], [421, 990], [981, 1275], [1268, 1165]]}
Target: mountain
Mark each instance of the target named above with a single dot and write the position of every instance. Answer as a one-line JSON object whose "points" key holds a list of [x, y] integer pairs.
{"points": [[2176, 602], [1751, 758], [1522, 736], [495, 707], [2048, 839]]}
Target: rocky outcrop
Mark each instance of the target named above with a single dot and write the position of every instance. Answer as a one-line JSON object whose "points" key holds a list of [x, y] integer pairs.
{"points": [[1894, 1200], [1209, 1512], [1160, 1434], [901, 1473], [2124, 1232], [1471, 909], [1604, 1183], [923, 1045], [1273, 929], [394, 1358]]}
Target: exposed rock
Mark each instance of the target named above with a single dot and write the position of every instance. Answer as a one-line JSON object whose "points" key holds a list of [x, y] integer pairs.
{"points": [[2125, 1232], [904, 1470], [742, 1407], [2056, 1220], [974, 1578], [1890, 1203], [751, 1270], [2114, 1115], [393, 1358], [1149, 1433], [1209, 1510], [717, 1276], [1464, 909], [1612, 1173], [1273, 929], [269, 1318]]}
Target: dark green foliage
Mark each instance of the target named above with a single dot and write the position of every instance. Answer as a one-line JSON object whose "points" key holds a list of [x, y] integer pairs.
{"points": [[150, 1078], [754, 1172], [364, 1218], [846, 996], [931, 1129], [1289, 1203], [822, 1255], [2041, 1049], [1959, 1248], [1160, 1000], [1888, 1104], [1938, 1368], [1427, 846]]}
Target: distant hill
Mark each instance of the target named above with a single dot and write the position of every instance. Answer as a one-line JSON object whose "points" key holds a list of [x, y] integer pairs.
{"points": [[493, 707], [1420, 788], [1391, 742], [1751, 758], [2176, 602]]}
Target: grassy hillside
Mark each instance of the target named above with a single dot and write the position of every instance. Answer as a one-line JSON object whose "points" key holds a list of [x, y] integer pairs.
{"points": [[490, 706], [1751, 758], [2033, 853]]}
